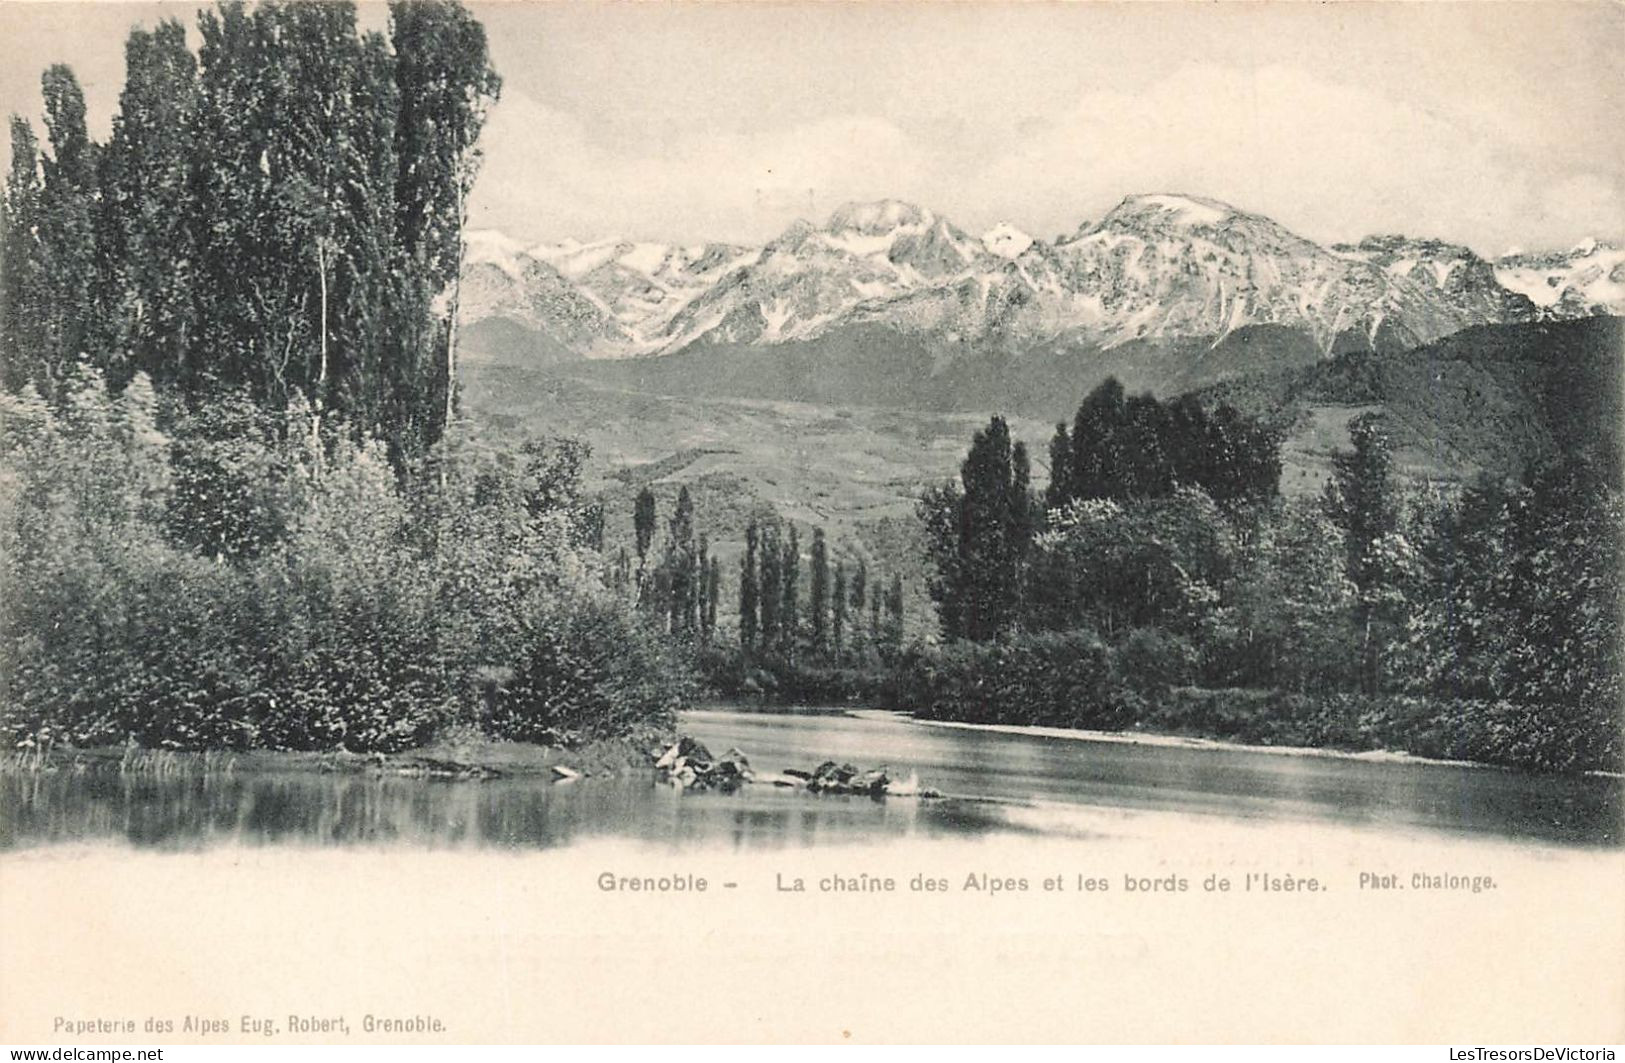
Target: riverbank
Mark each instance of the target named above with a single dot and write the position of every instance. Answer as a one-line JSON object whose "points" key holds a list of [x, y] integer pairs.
{"points": [[1553, 739], [1176, 740], [451, 757], [1183, 741]]}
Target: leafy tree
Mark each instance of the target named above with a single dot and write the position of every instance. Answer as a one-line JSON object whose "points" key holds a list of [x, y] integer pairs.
{"points": [[818, 595], [1363, 499], [643, 523], [67, 235], [1096, 467], [147, 256], [1138, 447], [838, 610], [1144, 456], [1062, 480], [713, 587], [235, 491], [789, 574], [771, 587], [249, 326], [1241, 459], [749, 595], [23, 294], [1522, 602], [233, 510], [1289, 618], [1117, 566], [679, 564], [446, 86], [621, 572], [978, 534], [251, 222], [894, 613]]}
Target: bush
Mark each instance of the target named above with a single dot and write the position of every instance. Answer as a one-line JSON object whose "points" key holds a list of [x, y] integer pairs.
{"points": [[590, 671], [335, 606], [1151, 659], [1075, 680], [1063, 679], [731, 673]]}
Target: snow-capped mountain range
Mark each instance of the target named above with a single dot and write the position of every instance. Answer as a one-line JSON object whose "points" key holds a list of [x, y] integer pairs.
{"points": [[1156, 267], [1586, 280]]}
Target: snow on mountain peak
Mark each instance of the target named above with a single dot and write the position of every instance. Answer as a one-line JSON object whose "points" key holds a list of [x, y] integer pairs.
{"points": [[497, 249], [1157, 265], [1171, 210], [1006, 241], [1589, 278], [879, 217]]}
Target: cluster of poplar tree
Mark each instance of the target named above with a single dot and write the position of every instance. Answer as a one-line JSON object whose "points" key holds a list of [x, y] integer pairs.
{"points": [[1124, 447], [280, 214], [678, 589], [846, 620]]}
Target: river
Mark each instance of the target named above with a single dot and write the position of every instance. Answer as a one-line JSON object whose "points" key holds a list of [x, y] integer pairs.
{"points": [[1067, 888], [998, 783]]}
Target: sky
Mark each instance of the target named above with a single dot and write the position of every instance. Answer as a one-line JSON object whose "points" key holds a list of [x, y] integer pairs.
{"points": [[1493, 124]]}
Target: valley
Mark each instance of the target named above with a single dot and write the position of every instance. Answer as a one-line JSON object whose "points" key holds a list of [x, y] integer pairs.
{"points": [[1487, 399]]}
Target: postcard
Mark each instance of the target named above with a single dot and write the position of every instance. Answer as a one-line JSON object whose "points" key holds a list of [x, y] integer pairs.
{"points": [[811, 523]]}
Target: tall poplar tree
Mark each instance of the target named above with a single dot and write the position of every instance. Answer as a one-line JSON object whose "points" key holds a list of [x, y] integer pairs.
{"points": [[789, 623], [748, 593], [1061, 489], [838, 610], [978, 533], [818, 595], [771, 586], [1363, 500], [147, 253], [22, 267], [713, 587], [447, 86], [67, 234]]}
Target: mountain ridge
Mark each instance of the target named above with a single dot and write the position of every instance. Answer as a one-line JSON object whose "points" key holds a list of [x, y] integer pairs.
{"points": [[1161, 271]]}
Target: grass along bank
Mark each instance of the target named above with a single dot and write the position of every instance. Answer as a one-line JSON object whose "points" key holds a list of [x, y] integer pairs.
{"points": [[465, 755]]}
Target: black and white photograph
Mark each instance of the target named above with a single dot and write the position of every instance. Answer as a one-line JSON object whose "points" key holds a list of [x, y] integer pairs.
{"points": [[538, 522]]}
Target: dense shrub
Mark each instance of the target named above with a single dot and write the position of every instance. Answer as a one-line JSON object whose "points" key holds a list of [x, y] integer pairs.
{"points": [[333, 604], [1075, 680], [1151, 659], [1063, 679], [731, 673], [589, 670]]}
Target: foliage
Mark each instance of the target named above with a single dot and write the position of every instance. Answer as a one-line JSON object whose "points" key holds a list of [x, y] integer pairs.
{"points": [[1521, 598], [1485, 624], [1123, 447], [279, 215], [1116, 566], [749, 595], [1287, 618], [232, 585], [1063, 679], [978, 533]]}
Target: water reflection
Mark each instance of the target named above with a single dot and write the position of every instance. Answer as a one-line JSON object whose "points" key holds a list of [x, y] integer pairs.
{"points": [[338, 809], [1230, 782], [267, 808]]}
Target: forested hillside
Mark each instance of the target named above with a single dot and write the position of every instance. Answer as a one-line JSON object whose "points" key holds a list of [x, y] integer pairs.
{"points": [[1497, 398]]}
